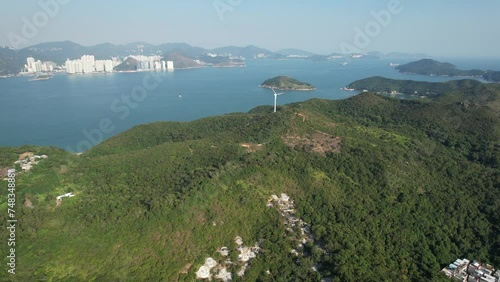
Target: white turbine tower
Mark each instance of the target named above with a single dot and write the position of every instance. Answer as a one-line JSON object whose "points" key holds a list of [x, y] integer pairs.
{"points": [[275, 98]]}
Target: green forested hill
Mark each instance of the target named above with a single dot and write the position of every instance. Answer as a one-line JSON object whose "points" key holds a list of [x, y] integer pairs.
{"points": [[433, 67], [418, 88], [392, 190], [8, 62]]}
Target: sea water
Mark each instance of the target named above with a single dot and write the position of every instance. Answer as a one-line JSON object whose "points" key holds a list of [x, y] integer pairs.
{"points": [[64, 110]]}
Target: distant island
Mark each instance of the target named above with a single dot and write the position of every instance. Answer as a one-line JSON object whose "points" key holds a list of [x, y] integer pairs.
{"points": [[287, 83], [435, 68]]}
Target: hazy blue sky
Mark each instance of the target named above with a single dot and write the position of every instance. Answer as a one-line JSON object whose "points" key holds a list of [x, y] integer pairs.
{"points": [[437, 27]]}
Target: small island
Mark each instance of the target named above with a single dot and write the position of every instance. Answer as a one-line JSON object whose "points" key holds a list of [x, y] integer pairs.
{"points": [[435, 68], [287, 83]]}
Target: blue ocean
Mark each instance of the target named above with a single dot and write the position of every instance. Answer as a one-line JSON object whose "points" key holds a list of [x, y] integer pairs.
{"points": [[65, 110]]}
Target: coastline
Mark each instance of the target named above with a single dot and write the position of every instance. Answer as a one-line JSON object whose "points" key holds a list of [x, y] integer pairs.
{"points": [[476, 77], [230, 66]]}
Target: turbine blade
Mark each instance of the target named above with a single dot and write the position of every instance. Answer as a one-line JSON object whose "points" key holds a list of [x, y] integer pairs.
{"points": [[273, 90]]}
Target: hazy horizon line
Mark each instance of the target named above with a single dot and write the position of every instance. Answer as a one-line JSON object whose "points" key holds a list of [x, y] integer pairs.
{"points": [[208, 49]]}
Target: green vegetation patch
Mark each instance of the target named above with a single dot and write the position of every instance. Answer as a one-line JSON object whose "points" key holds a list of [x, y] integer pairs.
{"points": [[286, 83], [414, 186]]}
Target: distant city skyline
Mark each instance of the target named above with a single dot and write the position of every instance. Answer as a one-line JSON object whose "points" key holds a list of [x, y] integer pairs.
{"points": [[438, 28]]}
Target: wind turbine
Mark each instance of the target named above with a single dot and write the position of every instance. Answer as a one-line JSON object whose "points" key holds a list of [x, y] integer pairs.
{"points": [[276, 97]]}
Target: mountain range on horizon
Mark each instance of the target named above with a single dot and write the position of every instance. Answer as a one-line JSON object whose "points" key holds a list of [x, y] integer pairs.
{"points": [[12, 60]]}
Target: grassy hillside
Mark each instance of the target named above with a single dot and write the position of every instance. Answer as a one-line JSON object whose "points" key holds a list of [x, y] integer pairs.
{"points": [[392, 191]]}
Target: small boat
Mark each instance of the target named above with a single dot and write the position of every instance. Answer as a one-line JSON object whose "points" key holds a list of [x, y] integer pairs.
{"points": [[41, 77], [347, 89], [344, 63], [180, 96]]}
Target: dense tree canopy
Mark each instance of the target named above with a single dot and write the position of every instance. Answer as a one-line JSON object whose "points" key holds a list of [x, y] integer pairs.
{"points": [[414, 185]]}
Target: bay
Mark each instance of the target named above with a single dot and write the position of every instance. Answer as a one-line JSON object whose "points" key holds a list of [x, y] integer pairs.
{"points": [[65, 110]]}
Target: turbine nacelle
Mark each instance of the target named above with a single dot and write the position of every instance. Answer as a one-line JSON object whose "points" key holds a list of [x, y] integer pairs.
{"points": [[277, 93]]}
